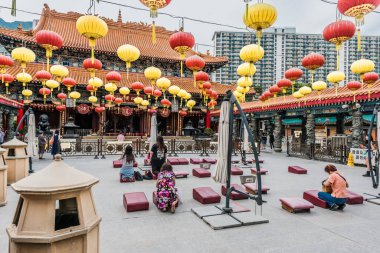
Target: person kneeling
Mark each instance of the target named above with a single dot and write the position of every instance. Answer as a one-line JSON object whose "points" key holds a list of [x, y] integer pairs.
{"points": [[127, 172], [334, 189], [166, 191]]}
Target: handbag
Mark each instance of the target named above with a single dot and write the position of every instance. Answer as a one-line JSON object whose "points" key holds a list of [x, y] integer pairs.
{"points": [[138, 176]]}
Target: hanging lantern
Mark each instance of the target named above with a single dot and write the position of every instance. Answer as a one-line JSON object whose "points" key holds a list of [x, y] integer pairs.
{"points": [[245, 82], [312, 62], [144, 103], [124, 91], [44, 92], [5, 62], [50, 41], [118, 102], [109, 98], [92, 28], [52, 84], [319, 86], [205, 86], [61, 108], [238, 96], [370, 78], [163, 84], [59, 72], [284, 84], [251, 54], [62, 97], [152, 111], [354, 86], [181, 42], [110, 87], [113, 77], [7, 79], [152, 73], [148, 91], [275, 90], [268, 94], [201, 77], [92, 99], [137, 101], [100, 109], [153, 6], [195, 63], [293, 75], [336, 77], [166, 103], [23, 78], [23, 56], [129, 54], [191, 103], [337, 33], [212, 104], [96, 83], [298, 95], [260, 16], [362, 66], [305, 90], [74, 95], [182, 113], [137, 87], [91, 89], [181, 94], [157, 93], [42, 76], [27, 93], [188, 96], [246, 70], [357, 9], [92, 65], [69, 83], [174, 90]]}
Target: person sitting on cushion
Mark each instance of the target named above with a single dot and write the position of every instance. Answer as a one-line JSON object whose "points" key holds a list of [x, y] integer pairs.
{"points": [[338, 198], [127, 171], [166, 191]]}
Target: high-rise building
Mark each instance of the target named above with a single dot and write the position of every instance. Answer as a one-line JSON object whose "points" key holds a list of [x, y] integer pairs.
{"points": [[284, 49]]}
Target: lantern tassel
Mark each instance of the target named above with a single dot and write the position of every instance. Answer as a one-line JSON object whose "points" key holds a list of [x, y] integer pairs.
{"points": [[6, 88], [259, 35], [195, 80], [153, 32], [336, 88], [246, 10], [359, 40], [181, 68], [338, 56]]}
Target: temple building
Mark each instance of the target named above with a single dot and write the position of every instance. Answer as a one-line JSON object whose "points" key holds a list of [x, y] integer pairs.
{"points": [[128, 118]]}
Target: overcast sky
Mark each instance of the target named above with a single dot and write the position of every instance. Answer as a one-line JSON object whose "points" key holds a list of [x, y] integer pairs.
{"points": [[308, 16]]}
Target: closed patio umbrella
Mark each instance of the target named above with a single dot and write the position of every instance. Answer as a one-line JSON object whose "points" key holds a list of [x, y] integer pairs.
{"points": [[153, 131], [245, 140], [31, 135]]}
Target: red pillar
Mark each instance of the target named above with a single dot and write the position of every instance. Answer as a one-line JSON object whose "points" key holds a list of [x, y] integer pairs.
{"points": [[20, 114], [208, 119]]}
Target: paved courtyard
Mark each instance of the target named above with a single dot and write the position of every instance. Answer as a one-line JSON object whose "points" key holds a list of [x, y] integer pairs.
{"points": [[354, 230]]}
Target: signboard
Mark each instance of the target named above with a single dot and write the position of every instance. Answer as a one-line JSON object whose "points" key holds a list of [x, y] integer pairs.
{"points": [[175, 106], [69, 103], [360, 155], [83, 109]]}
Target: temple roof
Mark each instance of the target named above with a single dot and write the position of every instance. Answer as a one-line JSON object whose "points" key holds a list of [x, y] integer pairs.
{"points": [[119, 33], [314, 99], [82, 76], [9, 102]]}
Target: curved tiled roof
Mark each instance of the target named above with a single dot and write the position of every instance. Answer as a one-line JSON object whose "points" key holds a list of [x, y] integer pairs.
{"points": [[82, 76], [7, 101], [119, 33], [314, 99]]}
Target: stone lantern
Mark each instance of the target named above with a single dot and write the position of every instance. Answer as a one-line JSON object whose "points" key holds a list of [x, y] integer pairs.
{"points": [[56, 212], [17, 159], [3, 179]]}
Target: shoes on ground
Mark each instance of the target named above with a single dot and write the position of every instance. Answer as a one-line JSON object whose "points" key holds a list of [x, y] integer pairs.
{"points": [[334, 207]]}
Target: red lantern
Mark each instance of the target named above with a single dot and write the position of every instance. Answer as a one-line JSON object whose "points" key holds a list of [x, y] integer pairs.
{"points": [[208, 92], [137, 86], [166, 103], [312, 62], [5, 62], [91, 89], [206, 85], [201, 77], [370, 78], [357, 9], [293, 75], [62, 96], [60, 108], [214, 95], [181, 42], [284, 84], [44, 92], [182, 113], [42, 76], [148, 91], [268, 94], [354, 86], [50, 41], [152, 111], [109, 98], [275, 90], [99, 109], [7, 79], [92, 65], [195, 63], [212, 104], [337, 33], [113, 77], [69, 82], [118, 101]]}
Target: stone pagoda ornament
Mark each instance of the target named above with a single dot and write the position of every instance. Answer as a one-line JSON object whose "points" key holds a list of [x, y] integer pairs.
{"points": [[56, 212], [17, 158]]}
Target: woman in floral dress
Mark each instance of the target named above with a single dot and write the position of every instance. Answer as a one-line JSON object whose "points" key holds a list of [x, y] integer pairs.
{"points": [[166, 191]]}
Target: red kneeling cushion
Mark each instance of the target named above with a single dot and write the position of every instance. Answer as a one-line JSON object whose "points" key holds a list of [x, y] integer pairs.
{"points": [[198, 172], [195, 160], [260, 161], [181, 174], [135, 201], [297, 170], [206, 195], [296, 204], [173, 161], [354, 198], [234, 195], [209, 160], [117, 163], [312, 197], [236, 171], [127, 180], [262, 171], [252, 188], [183, 161]]}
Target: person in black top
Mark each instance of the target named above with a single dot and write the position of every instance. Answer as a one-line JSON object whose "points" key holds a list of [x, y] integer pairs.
{"points": [[271, 140], [158, 155]]}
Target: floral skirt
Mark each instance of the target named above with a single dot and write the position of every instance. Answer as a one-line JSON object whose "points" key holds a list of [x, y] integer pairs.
{"points": [[166, 197]]}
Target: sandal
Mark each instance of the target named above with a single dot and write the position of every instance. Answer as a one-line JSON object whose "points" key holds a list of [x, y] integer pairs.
{"points": [[172, 209]]}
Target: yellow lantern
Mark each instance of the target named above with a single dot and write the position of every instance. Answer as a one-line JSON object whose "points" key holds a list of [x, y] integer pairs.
{"points": [[298, 95], [237, 94], [129, 54], [182, 95], [92, 99], [52, 84], [245, 82], [145, 102], [336, 77], [27, 93], [138, 101], [92, 28], [246, 70], [191, 103], [24, 78], [110, 87], [124, 91], [152, 73], [246, 90], [362, 66], [240, 89], [174, 90], [305, 90], [74, 95], [95, 82], [251, 53], [163, 84], [259, 17], [319, 86], [23, 55], [59, 72]]}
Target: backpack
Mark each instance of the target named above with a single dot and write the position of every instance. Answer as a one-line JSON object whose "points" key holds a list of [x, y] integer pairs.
{"points": [[138, 176]]}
